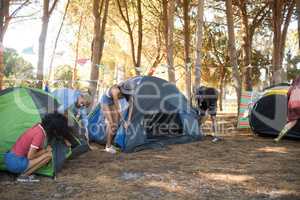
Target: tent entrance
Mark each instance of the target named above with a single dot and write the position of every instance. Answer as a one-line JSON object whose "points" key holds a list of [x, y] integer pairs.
{"points": [[163, 125]]}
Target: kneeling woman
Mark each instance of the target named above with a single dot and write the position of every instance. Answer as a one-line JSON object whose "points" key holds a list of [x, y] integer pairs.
{"points": [[29, 152]]}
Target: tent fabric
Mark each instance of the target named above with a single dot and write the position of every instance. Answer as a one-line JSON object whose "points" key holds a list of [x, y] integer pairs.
{"points": [[161, 115], [269, 114], [66, 97], [21, 108]]}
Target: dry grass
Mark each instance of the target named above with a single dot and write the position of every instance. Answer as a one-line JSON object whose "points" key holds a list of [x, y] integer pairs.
{"points": [[239, 167]]}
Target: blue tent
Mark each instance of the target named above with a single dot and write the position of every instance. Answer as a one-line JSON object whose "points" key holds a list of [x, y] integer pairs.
{"points": [[161, 115]]}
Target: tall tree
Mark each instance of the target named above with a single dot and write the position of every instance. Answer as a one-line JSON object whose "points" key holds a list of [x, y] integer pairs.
{"points": [[187, 38], [100, 12], [259, 11], [6, 15], [200, 13], [237, 83], [123, 6], [282, 11], [168, 18], [47, 11]]}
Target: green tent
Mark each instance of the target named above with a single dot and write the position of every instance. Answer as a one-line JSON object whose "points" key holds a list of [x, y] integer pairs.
{"points": [[20, 109]]}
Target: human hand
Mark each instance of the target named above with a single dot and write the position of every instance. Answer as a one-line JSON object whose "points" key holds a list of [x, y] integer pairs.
{"points": [[126, 125], [49, 149]]}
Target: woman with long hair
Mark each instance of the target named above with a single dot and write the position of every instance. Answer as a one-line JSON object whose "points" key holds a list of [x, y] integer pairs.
{"points": [[32, 150]]}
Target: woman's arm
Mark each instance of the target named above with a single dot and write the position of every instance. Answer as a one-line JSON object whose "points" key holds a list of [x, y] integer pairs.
{"points": [[130, 110], [35, 153]]}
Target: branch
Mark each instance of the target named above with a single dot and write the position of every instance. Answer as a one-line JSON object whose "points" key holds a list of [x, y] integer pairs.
{"points": [[117, 24], [52, 7], [19, 8]]}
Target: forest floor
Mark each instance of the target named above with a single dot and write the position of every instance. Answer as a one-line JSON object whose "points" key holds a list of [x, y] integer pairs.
{"points": [[241, 166]]}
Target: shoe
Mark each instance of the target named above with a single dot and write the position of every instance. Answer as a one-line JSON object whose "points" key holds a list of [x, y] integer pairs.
{"points": [[216, 139], [111, 150], [27, 179], [276, 140]]}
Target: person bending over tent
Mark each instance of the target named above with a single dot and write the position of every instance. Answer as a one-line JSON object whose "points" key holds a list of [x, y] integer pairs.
{"points": [[76, 102], [293, 108], [111, 108], [30, 152], [207, 104]]}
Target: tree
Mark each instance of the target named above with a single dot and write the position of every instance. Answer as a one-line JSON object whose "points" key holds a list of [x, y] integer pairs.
{"points": [[232, 51], [168, 14], [282, 11], [123, 6], [17, 70], [6, 15], [47, 11], [187, 39], [251, 19], [100, 13], [64, 76], [200, 8]]}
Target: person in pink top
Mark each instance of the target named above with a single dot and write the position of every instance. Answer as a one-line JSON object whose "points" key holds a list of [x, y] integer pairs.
{"points": [[30, 152]]}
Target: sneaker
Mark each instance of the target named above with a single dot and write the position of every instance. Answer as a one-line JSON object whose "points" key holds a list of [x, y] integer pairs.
{"points": [[276, 140], [216, 139], [111, 150], [27, 179]]}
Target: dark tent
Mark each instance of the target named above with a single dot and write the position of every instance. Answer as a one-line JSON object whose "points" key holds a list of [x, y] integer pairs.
{"points": [[21, 108], [269, 113], [161, 115]]}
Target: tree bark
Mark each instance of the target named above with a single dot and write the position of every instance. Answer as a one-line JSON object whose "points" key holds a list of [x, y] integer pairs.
{"points": [[232, 52], [199, 43], [298, 19], [170, 54], [47, 11], [140, 35], [280, 24], [98, 41], [187, 38], [246, 46]]}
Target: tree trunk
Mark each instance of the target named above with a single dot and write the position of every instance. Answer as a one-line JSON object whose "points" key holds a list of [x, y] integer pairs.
{"points": [[279, 37], [42, 44], [140, 35], [298, 19], [199, 43], [247, 54], [187, 59], [98, 41], [170, 59], [74, 74], [232, 51]]}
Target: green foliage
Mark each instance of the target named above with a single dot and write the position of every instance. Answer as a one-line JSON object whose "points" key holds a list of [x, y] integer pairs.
{"points": [[17, 70], [63, 75]]}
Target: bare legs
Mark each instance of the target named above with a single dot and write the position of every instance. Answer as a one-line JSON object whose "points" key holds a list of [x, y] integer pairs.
{"points": [[285, 129], [38, 162], [112, 119]]}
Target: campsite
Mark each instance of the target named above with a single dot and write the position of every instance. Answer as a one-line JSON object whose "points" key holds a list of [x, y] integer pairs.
{"points": [[150, 99], [242, 167]]}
